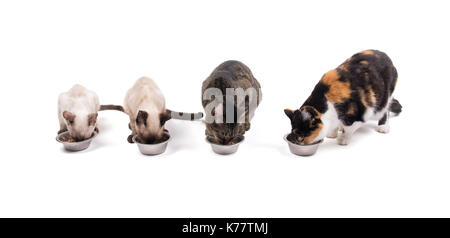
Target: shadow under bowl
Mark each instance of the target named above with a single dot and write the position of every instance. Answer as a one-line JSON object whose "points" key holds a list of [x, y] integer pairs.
{"points": [[224, 149], [303, 150], [74, 146], [152, 149]]}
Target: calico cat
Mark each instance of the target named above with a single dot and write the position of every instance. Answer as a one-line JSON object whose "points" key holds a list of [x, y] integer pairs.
{"points": [[360, 89], [230, 75]]}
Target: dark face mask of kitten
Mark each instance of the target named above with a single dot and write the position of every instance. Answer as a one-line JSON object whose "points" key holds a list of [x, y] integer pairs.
{"points": [[306, 125]]}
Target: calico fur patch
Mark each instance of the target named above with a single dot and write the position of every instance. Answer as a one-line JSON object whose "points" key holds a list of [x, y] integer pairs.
{"points": [[338, 90]]}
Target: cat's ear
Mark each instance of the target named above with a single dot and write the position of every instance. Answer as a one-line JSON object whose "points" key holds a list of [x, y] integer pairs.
{"points": [[141, 118], [92, 119], [70, 117], [165, 116], [289, 113]]}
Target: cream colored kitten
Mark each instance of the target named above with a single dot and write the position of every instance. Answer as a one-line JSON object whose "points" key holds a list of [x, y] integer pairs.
{"points": [[145, 105], [77, 112]]}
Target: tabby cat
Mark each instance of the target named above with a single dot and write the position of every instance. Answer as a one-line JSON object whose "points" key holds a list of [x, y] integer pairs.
{"points": [[360, 89], [230, 75]]}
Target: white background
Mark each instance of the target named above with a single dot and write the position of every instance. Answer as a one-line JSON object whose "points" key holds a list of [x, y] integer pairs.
{"points": [[47, 46]]}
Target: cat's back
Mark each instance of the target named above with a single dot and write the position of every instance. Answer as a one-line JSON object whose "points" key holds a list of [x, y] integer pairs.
{"points": [[231, 74], [79, 97], [144, 93], [366, 64]]}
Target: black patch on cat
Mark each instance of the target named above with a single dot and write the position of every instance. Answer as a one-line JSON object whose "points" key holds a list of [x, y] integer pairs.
{"points": [[395, 106], [383, 120], [317, 98]]}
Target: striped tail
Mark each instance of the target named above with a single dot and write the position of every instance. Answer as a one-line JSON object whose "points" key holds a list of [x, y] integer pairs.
{"points": [[111, 107], [185, 115]]}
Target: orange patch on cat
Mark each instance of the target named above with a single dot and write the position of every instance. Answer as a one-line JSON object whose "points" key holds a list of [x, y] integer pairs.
{"points": [[313, 135], [367, 100], [338, 91], [362, 96], [351, 109], [367, 52], [365, 62], [372, 97], [343, 67]]}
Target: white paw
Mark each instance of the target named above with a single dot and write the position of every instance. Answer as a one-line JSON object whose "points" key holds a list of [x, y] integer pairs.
{"points": [[383, 129], [342, 140], [332, 134]]}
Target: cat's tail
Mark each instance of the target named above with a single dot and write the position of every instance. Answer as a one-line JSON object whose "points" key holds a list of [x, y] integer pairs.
{"points": [[395, 107], [185, 115], [111, 107]]}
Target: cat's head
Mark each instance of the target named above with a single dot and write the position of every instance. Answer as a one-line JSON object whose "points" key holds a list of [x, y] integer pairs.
{"points": [[150, 126], [225, 133], [80, 126], [306, 124]]}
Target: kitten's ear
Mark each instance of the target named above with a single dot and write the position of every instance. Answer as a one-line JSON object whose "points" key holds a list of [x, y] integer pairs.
{"points": [[165, 116], [289, 113], [141, 118], [70, 117], [92, 119]]}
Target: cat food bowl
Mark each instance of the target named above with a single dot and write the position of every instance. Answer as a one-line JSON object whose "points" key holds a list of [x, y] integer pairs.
{"points": [[224, 149], [303, 150], [152, 149], [71, 145]]}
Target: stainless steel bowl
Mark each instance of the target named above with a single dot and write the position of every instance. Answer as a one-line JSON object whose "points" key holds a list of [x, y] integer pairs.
{"points": [[224, 149], [74, 146], [152, 149], [303, 150]]}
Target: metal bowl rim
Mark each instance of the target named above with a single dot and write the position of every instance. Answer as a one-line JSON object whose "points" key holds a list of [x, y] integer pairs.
{"points": [[213, 144], [77, 142], [315, 143], [166, 141]]}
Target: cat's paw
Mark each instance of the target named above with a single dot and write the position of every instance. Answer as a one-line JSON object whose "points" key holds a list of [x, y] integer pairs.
{"points": [[247, 126], [383, 129], [130, 139], [342, 140], [332, 134], [61, 131]]}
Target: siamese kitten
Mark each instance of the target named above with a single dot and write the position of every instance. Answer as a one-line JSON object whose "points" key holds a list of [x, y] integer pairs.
{"points": [[357, 91], [145, 105], [232, 75], [77, 112]]}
